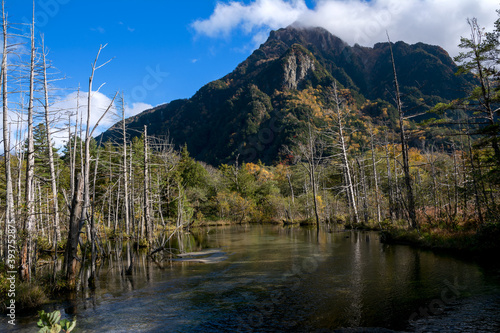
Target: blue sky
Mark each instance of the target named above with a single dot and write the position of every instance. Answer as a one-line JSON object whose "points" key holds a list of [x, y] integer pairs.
{"points": [[164, 49], [142, 37]]}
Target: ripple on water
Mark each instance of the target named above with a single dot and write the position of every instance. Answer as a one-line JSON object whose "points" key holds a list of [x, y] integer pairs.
{"points": [[270, 279]]}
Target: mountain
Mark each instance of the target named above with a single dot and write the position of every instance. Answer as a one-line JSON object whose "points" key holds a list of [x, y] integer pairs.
{"points": [[251, 112]]}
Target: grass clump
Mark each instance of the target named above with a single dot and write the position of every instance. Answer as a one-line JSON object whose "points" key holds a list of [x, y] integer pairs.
{"points": [[30, 295]]}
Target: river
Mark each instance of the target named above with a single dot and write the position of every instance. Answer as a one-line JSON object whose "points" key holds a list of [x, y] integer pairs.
{"points": [[263, 278]]}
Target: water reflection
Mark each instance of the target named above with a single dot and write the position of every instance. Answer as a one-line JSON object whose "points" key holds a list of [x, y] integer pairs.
{"points": [[268, 278]]}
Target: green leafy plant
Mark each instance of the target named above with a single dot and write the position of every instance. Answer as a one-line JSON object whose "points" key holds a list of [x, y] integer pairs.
{"points": [[49, 323]]}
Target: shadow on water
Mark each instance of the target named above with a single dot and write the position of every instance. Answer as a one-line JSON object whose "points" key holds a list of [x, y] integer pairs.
{"points": [[272, 279]]}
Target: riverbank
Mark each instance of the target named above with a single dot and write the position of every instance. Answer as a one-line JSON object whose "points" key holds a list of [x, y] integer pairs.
{"points": [[469, 242]]}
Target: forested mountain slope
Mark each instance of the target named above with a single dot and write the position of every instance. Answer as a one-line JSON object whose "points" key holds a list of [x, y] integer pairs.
{"points": [[259, 107]]}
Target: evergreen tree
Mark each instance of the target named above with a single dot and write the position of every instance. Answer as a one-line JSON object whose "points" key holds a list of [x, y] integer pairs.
{"points": [[478, 58]]}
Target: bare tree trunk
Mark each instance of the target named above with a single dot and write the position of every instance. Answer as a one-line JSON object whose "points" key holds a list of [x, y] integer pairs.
{"points": [[132, 197], [291, 206], [147, 217], [389, 180], [345, 160], [10, 220], [117, 205], [30, 168], [289, 178], [53, 179], [125, 173], [79, 210], [93, 230], [81, 143], [40, 211], [312, 174], [455, 181], [398, 201], [375, 177], [20, 153], [110, 197], [434, 184], [404, 148], [361, 167], [86, 159], [72, 150], [88, 137], [475, 182], [179, 205], [71, 164], [71, 258]]}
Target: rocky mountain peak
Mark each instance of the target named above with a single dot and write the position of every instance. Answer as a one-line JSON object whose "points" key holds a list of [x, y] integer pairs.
{"points": [[262, 104], [318, 37]]}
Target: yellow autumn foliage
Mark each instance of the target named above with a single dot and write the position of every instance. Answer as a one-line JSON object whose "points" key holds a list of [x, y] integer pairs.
{"points": [[260, 173]]}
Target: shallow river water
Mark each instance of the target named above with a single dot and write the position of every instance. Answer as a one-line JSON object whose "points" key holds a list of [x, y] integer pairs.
{"points": [[275, 279]]}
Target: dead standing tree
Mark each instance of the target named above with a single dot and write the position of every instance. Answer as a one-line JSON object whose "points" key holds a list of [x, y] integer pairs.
{"points": [[310, 150], [339, 117], [53, 179], [88, 138], [25, 265], [79, 211], [375, 176], [404, 147], [9, 204], [125, 174], [70, 257], [147, 214]]}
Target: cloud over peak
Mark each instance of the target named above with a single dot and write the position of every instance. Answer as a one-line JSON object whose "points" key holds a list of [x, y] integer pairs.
{"points": [[272, 14], [439, 22]]}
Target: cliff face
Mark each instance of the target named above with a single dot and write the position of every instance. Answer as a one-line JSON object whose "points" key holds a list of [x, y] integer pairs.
{"points": [[251, 112], [297, 67]]}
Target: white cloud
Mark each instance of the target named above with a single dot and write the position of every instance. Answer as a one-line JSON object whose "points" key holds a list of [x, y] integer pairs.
{"points": [[439, 22], [67, 105], [251, 19], [99, 104], [136, 108], [59, 113]]}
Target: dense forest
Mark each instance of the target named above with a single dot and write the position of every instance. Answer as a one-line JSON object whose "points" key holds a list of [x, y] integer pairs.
{"points": [[429, 176]]}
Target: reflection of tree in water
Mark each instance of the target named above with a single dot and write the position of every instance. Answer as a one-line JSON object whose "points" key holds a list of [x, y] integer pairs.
{"points": [[356, 292], [267, 283]]}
